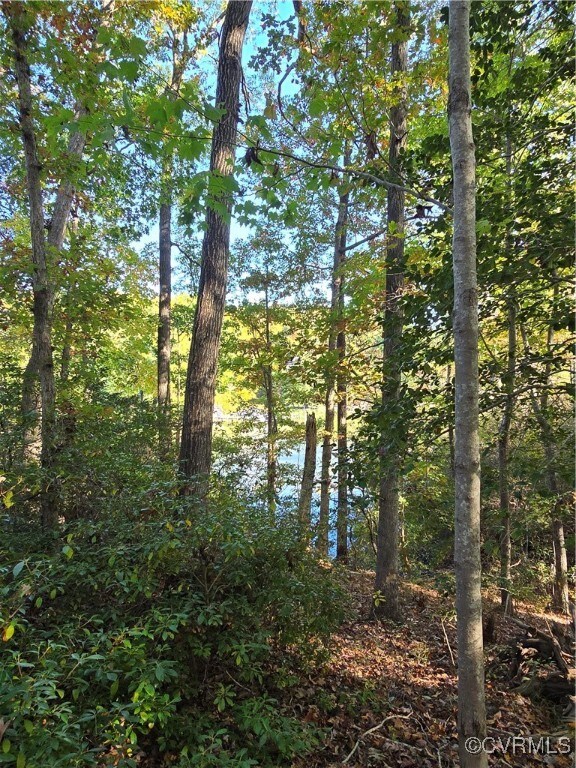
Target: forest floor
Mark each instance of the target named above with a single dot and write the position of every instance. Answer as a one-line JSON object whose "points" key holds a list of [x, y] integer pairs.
{"points": [[387, 695]]}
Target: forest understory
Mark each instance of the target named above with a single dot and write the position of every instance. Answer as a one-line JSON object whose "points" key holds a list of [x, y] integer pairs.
{"points": [[387, 694], [286, 383]]}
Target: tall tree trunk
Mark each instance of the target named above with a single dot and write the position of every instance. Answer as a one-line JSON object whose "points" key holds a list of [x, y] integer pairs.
{"points": [[271, 421], [271, 439], [42, 359], [386, 583], [450, 421], [181, 55], [560, 594], [164, 306], [471, 704], [342, 382], [505, 422], [307, 488], [196, 439], [326, 467], [503, 454], [335, 342], [30, 406]]}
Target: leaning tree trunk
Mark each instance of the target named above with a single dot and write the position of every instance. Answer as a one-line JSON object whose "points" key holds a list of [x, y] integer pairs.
{"points": [[196, 439], [42, 288], [334, 338], [387, 556], [471, 704], [307, 487]]}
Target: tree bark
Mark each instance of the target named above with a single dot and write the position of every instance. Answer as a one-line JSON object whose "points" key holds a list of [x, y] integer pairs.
{"points": [[164, 307], [387, 557], [181, 55], [271, 421], [471, 703], [196, 439], [505, 422], [55, 239], [307, 488], [342, 380], [336, 342], [450, 421], [503, 454], [42, 358], [326, 467]]}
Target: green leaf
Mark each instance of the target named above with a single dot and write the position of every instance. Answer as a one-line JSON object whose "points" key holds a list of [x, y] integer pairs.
{"points": [[18, 568], [316, 106], [28, 726], [68, 551], [138, 46], [157, 113], [129, 70], [21, 760], [6, 746]]}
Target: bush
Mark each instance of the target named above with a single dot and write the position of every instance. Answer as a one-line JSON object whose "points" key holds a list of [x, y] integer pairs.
{"points": [[172, 631]]}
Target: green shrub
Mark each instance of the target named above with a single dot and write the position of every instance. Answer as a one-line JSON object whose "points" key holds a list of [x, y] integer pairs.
{"points": [[172, 630]]}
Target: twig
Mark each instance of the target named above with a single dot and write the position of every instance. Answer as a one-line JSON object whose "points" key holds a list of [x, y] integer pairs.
{"points": [[372, 730], [448, 642]]}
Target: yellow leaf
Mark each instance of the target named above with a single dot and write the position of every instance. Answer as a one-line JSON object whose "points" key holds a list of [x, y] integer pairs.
{"points": [[8, 632]]}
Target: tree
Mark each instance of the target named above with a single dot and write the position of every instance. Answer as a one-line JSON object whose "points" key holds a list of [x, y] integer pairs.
{"points": [[307, 487], [41, 359], [471, 705], [196, 438], [388, 513]]}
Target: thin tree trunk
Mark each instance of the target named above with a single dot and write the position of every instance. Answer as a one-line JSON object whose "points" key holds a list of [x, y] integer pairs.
{"points": [[181, 55], [196, 439], [271, 438], [326, 466], [307, 488], [503, 454], [560, 595], [164, 306], [271, 421], [450, 422], [335, 342], [505, 423], [471, 703], [342, 381], [42, 359], [386, 583]]}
